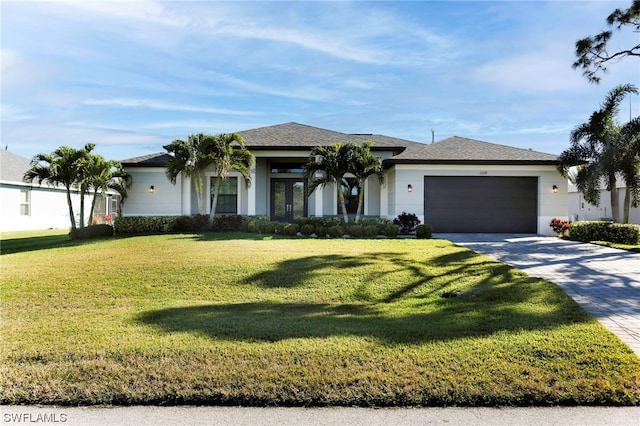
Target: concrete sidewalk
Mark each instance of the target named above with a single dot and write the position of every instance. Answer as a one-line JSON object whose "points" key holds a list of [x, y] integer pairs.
{"points": [[157, 416], [603, 280]]}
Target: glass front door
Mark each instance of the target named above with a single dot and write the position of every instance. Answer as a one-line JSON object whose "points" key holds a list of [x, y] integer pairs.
{"points": [[288, 202]]}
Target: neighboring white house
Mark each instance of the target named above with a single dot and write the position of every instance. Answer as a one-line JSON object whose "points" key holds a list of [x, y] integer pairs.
{"points": [[579, 209], [30, 206], [456, 185]]}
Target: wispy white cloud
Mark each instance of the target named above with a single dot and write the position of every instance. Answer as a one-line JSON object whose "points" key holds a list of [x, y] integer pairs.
{"points": [[531, 72], [132, 74], [145, 103], [12, 113]]}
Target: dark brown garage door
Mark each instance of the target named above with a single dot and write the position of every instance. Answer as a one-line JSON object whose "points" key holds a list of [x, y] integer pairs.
{"points": [[481, 204]]}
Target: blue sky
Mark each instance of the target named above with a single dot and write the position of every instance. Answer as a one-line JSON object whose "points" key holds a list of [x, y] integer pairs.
{"points": [[132, 76]]}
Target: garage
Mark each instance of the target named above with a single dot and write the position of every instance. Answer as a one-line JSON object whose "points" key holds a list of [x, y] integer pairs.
{"points": [[489, 204]]}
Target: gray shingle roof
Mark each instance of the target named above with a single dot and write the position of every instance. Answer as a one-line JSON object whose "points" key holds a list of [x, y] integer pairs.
{"points": [[448, 151], [295, 135], [13, 166], [158, 159], [463, 150]]}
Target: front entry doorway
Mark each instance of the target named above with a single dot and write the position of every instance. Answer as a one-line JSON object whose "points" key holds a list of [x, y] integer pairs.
{"points": [[288, 201]]}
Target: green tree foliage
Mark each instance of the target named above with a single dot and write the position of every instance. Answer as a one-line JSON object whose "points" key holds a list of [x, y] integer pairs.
{"points": [[79, 170], [629, 142], [364, 164], [604, 149], [105, 175], [65, 166], [591, 52], [328, 165], [225, 152], [189, 158]]}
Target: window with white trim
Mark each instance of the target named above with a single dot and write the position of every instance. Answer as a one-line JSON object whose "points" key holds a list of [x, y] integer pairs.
{"points": [[227, 196], [25, 202]]}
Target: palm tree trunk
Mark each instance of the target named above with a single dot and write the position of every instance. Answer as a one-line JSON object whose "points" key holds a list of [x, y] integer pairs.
{"points": [[627, 204], [214, 204], [614, 199], [199, 185], [342, 204], [82, 208], [93, 206], [360, 200], [70, 204]]}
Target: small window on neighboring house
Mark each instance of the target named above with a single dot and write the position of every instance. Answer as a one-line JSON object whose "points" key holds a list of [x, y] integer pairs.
{"points": [[228, 196], [25, 202]]}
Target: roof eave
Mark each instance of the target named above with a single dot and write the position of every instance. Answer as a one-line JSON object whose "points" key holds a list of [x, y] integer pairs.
{"points": [[392, 161], [145, 165]]}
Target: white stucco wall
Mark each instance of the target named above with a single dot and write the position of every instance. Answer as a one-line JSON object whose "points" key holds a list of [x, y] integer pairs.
{"points": [[550, 205], [48, 208], [581, 210], [165, 200]]}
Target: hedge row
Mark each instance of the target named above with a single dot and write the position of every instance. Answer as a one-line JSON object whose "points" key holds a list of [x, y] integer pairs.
{"points": [[605, 231], [320, 227], [93, 231], [146, 225]]}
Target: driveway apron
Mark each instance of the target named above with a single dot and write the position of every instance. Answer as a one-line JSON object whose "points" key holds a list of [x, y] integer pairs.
{"points": [[603, 280]]}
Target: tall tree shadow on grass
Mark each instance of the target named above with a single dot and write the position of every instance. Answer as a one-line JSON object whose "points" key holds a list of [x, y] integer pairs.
{"points": [[445, 320], [495, 298]]}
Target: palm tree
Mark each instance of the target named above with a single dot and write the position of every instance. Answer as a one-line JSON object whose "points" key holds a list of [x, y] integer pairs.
{"points": [[595, 145], [84, 177], [363, 165], [328, 165], [629, 150], [227, 152], [62, 167], [189, 159], [106, 175]]}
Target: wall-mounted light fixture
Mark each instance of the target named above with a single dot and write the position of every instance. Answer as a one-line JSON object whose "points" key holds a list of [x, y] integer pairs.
{"points": [[152, 189], [554, 188], [409, 188]]}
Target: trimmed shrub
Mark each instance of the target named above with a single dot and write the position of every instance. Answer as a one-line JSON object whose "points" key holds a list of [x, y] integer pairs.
{"points": [[407, 222], [424, 232], [266, 227], [391, 231], [354, 230], [279, 227], [335, 231], [195, 223], [144, 225], [227, 223], [290, 229], [307, 229], [605, 231], [183, 224], [369, 231], [258, 225], [379, 223], [321, 231], [93, 231], [253, 226]]}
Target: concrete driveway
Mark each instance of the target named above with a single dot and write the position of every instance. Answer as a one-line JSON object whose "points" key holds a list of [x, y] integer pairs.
{"points": [[604, 281]]}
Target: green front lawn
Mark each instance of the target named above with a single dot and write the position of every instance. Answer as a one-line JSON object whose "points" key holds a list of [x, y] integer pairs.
{"points": [[242, 319]]}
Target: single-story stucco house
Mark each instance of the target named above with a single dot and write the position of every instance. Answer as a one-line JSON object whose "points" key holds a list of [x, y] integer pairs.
{"points": [[579, 209], [32, 206], [456, 185]]}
